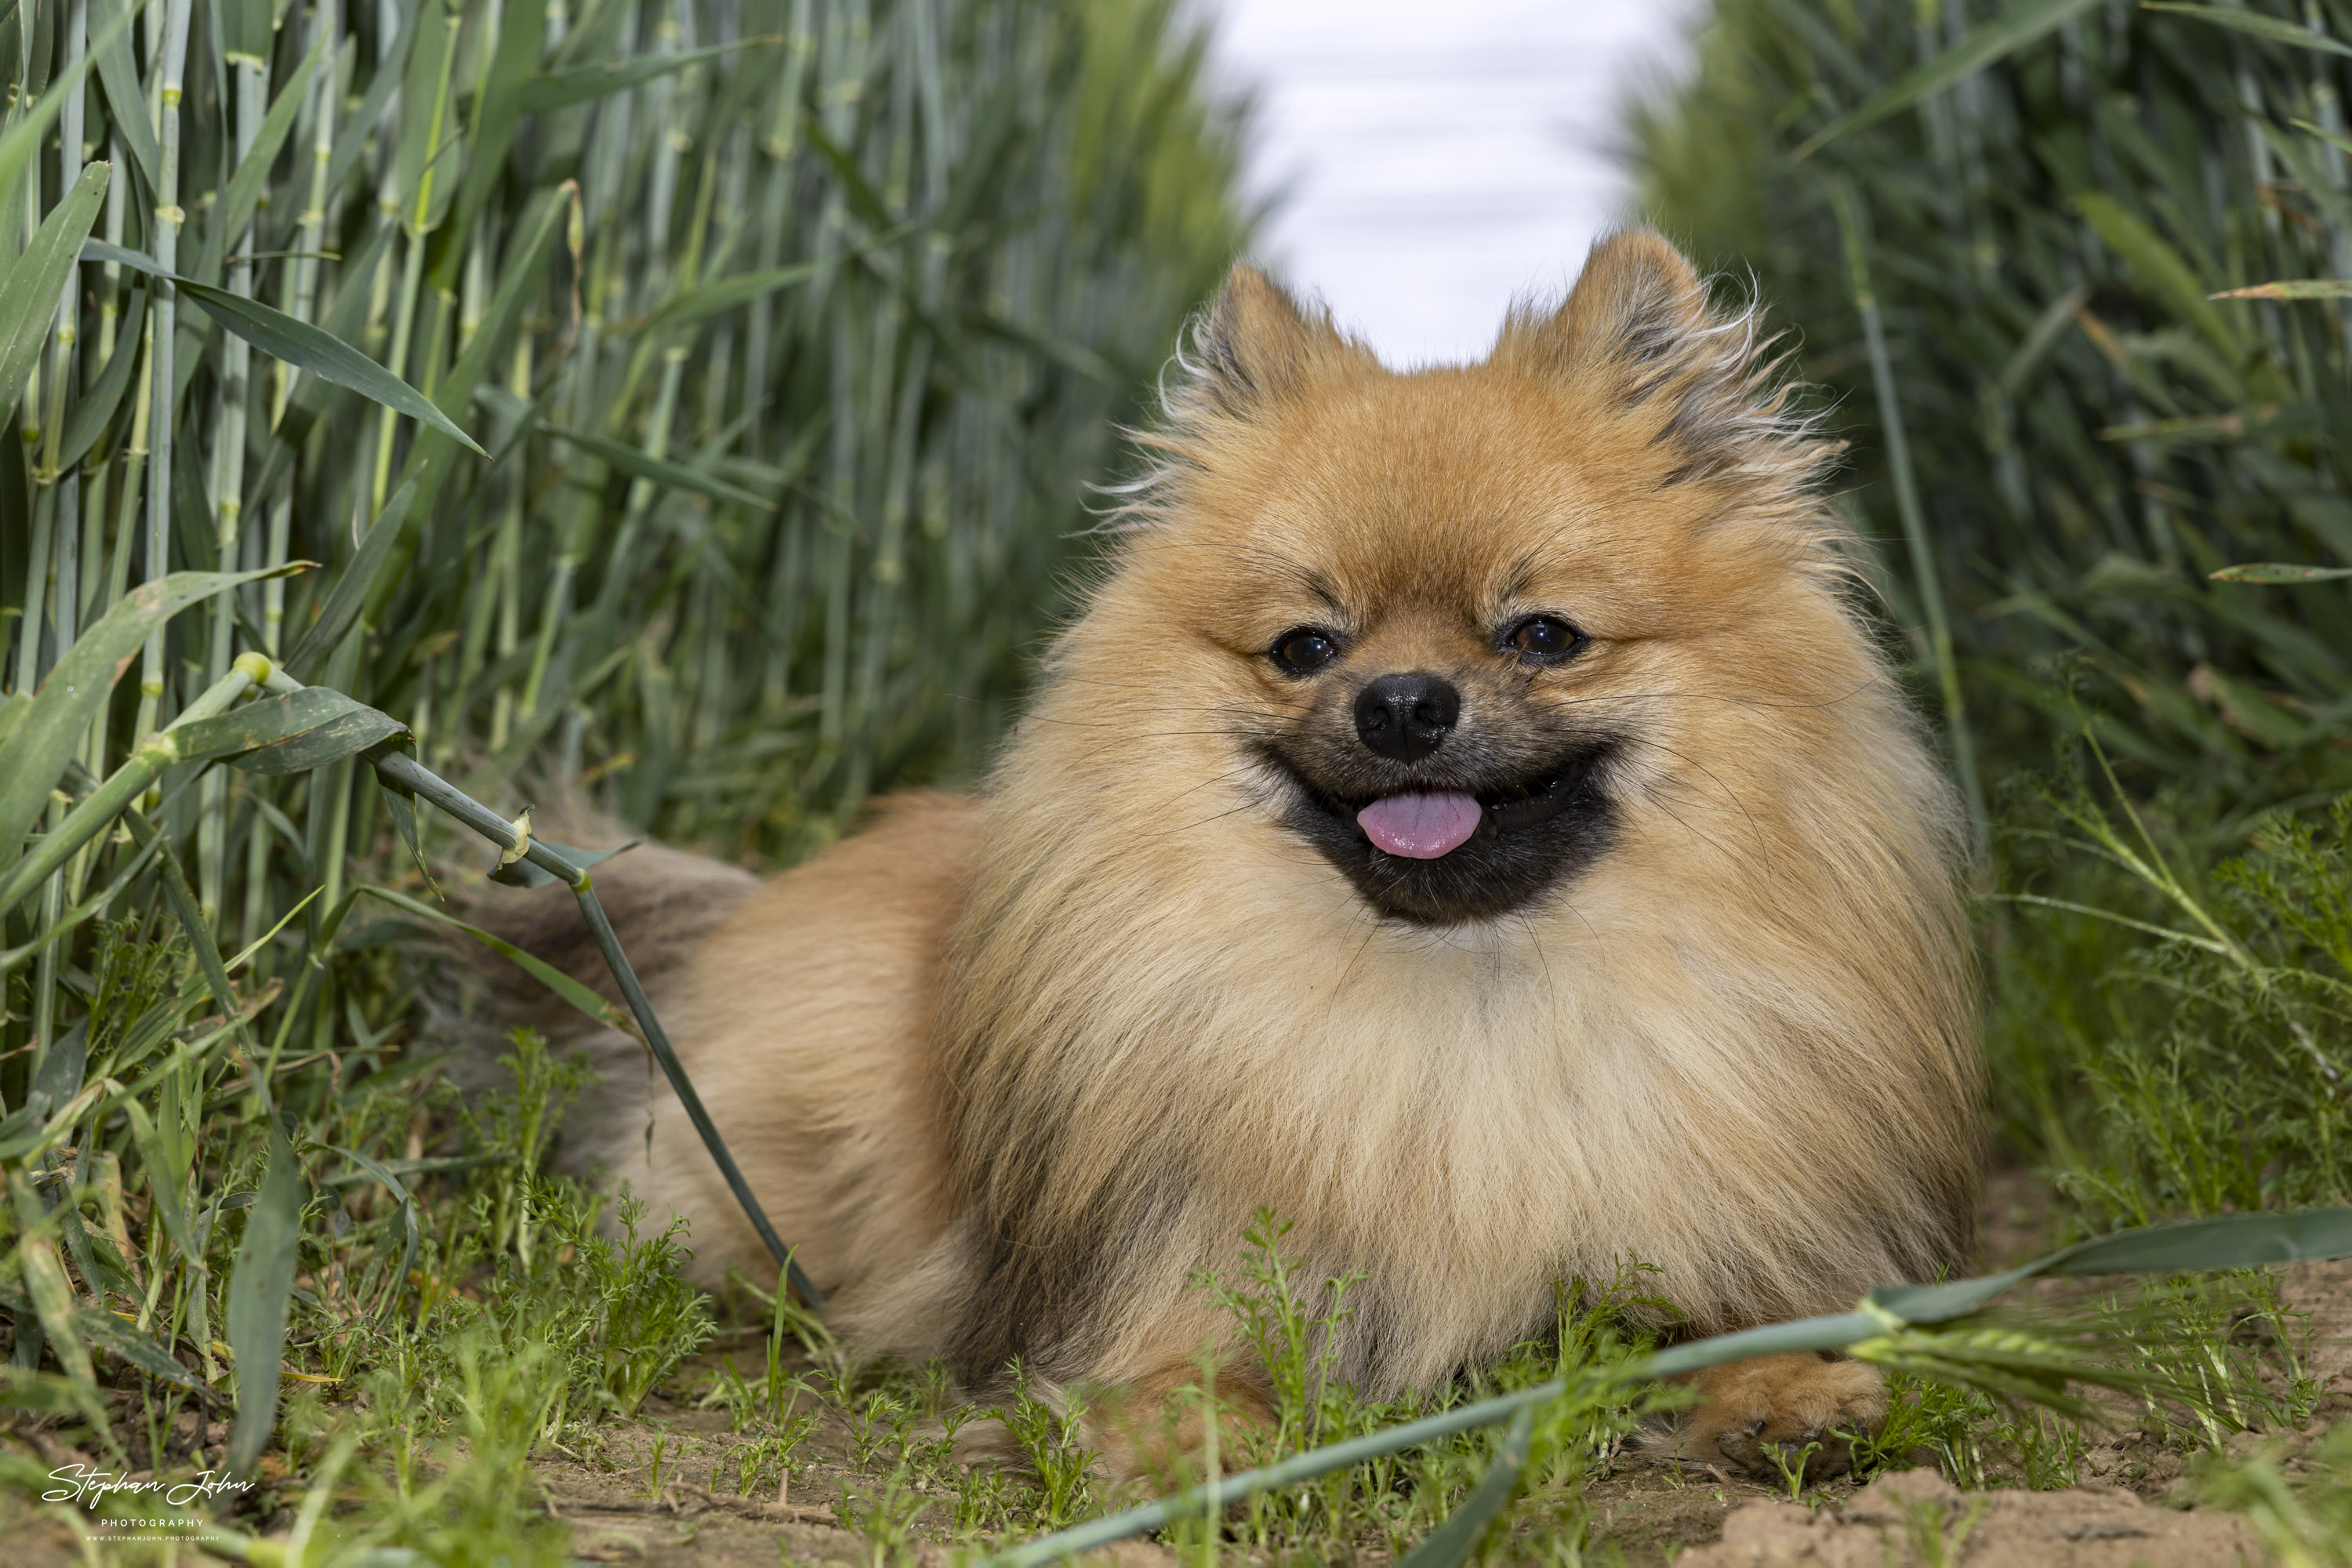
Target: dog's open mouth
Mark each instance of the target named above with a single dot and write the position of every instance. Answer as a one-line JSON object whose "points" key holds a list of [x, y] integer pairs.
{"points": [[1457, 848], [1425, 825]]}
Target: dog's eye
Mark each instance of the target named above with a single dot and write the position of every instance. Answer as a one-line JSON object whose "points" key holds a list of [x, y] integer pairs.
{"points": [[1543, 637], [1303, 649]]}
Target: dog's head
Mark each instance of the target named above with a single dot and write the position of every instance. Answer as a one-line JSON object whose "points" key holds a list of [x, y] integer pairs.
{"points": [[1460, 624]]}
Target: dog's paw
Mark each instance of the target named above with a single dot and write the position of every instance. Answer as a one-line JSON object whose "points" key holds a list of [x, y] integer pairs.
{"points": [[1153, 1436], [1779, 1416]]}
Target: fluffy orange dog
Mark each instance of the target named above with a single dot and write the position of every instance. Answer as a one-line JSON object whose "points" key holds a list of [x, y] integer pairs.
{"points": [[1470, 816]]}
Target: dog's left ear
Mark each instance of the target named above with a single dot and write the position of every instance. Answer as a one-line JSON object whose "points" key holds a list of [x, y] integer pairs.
{"points": [[1638, 326]]}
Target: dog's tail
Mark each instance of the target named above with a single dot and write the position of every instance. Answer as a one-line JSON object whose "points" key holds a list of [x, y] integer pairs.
{"points": [[662, 903]]}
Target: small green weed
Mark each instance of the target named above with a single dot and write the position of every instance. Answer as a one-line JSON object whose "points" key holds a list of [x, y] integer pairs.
{"points": [[1973, 1439], [654, 1457], [518, 1127], [1054, 1439], [587, 1442], [791, 1322], [881, 1514], [983, 1504], [878, 1422], [760, 1463], [468, 1495], [728, 1388], [1793, 1474], [2303, 1510], [1935, 1539], [652, 1319]]}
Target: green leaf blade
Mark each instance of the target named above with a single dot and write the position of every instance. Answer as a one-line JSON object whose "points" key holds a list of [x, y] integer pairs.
{"points": [[728, 292], [564, 89], [2270, 29], [354, 582], [298, 343], [522, 32], [103, 1328], [1453, 1541], [2224, 1241], [28, 295], [288, 734], [2279, 572], [260, 1287], [109, 46], [2291, 289], [95, 408], [2159, 265], [75, 691], [546, 974], [658, 470], [2003, 34]]}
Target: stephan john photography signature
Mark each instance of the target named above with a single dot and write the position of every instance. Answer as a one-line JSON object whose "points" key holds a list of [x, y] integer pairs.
{"points": [[90, 1487]]}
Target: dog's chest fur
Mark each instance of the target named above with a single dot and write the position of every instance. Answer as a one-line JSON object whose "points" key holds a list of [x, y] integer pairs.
{"points": [[1463, 1116]]}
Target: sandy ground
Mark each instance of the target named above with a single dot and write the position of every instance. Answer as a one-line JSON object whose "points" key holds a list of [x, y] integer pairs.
{"points": [[1916, 1517]]}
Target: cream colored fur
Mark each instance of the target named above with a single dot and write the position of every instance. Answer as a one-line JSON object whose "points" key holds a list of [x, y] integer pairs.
{"points": [[1008, 1070]]}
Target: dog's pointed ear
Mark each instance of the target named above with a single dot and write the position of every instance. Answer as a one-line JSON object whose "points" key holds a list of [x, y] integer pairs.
{"points": [[1636, 304], [1638, 329], [1257, 346]]}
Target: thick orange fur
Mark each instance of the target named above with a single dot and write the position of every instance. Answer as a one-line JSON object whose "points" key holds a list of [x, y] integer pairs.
{"points": [[1010, 1070]]}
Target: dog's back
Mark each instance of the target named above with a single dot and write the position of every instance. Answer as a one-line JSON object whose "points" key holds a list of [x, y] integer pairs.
{"points": [[801, 1009]]}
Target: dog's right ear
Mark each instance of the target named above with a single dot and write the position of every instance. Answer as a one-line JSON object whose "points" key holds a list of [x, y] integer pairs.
{"points": [[1257, 347]]}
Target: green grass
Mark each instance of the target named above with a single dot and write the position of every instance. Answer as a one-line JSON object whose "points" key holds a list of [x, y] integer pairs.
{"points": [[2199, 1069]]}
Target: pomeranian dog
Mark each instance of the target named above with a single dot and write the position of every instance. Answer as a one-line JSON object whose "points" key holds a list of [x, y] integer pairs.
{"points": [[1470, 816]]}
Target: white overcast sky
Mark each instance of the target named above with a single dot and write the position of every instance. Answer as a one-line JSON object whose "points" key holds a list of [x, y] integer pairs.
{"points": [[1438, 159]]}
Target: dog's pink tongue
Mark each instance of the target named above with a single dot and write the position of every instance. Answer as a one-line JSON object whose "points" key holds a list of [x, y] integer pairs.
{"points": [[1419, 827]]}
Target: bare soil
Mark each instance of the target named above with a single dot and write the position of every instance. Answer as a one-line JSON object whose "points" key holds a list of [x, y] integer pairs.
{"points": [[1915, 1516]]}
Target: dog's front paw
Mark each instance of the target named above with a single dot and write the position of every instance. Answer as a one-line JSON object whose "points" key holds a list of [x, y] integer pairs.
{"points": [[1776, 1416]]}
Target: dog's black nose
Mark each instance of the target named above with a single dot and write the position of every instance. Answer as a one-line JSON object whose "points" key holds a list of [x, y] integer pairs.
{"points": [[1406, 716]]}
